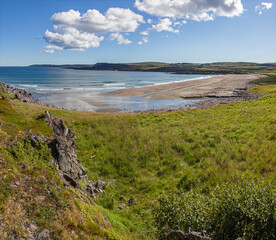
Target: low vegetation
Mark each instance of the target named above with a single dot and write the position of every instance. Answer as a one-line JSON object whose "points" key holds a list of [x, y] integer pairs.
{"points": [[215, 163]]}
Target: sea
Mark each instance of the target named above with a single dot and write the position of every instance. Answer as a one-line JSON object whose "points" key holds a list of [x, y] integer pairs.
{"points": [[81, 90]]}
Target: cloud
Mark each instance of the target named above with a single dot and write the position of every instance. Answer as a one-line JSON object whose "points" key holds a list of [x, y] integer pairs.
{"points": [[140, 42], [72, 39], [120, 38], [75, 31], [50, 49], [145, 33], [263, 6], [198, 10], [145, 39], [164, 25]]}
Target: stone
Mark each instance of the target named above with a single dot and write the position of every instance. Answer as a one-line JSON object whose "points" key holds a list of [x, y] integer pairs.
{"points": [[100, 185], [36, 139], [23, 96], [44, 235], [122, 206], [70, 179]]}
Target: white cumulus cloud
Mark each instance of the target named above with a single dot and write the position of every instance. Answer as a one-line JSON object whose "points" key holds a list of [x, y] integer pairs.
{"points": [[75, 31], [263, 6], [198, 10], [120, 38], [50, 49], [164, 25]]}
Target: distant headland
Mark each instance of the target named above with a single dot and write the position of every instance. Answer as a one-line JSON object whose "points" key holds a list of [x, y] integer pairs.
{"points": [[179, 68]]}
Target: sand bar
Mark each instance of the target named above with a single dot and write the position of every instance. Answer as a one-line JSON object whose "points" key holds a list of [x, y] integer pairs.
{"points": [[218, 86]]}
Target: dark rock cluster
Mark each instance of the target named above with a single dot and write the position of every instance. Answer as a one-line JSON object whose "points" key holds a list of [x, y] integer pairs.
{"points": [[24, 96]]}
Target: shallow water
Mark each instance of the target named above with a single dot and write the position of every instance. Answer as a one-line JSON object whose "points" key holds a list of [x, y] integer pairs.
{"points": [[80, 89]]}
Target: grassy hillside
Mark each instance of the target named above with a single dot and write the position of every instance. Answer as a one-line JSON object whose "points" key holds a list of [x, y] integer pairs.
{"points": [[149, 155]]}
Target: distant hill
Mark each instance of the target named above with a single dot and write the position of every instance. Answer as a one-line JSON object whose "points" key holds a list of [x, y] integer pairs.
{"points": [[180, 68]]}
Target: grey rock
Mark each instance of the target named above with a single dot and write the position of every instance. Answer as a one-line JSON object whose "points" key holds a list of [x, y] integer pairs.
{"points": [[23, 96], [70, 179], [44, 235], [122, 206], [36, 139], [100, 185], [64, 150]]}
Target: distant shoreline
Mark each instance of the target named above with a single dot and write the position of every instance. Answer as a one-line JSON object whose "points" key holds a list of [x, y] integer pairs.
{"points": [[218, 68]]}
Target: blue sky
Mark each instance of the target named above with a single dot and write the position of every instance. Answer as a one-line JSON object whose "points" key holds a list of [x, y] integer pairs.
{"points": [[90, 31]]}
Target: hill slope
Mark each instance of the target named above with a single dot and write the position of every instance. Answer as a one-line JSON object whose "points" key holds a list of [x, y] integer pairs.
{"points": [[140, 156]]}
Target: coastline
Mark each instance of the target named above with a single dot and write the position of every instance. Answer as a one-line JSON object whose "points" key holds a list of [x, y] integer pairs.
{"points": [[214, 87], [212, 91]]}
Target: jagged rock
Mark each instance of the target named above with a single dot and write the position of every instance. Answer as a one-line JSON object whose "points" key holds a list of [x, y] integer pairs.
{"points": [[90, 189], [100, 185], [36, 139], [70, 179], [44, 235], [64, 150], [131, 201], [122, 206], [24, 96]]}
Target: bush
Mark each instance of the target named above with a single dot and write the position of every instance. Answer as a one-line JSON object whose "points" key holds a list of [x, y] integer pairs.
{"points": [[247, 210]]}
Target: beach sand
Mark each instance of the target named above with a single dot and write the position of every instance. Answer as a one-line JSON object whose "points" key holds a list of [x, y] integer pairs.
{"points": [[216, 87]]}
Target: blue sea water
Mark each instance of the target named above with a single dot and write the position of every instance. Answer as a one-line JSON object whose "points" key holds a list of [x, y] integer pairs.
{"points": [[81, 89]]}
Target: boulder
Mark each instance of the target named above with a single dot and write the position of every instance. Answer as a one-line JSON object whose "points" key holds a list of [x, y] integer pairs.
{"points": [[100, 185]]}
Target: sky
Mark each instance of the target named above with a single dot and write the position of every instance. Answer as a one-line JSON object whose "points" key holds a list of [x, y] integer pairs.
{"points": [[91, 31]]}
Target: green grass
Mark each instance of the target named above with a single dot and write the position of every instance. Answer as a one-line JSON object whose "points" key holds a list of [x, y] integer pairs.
{"points": [[149, 154], [267, 80]]}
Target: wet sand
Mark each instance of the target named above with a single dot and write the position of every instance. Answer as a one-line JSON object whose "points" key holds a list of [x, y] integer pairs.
{"points": [[215, 87]]}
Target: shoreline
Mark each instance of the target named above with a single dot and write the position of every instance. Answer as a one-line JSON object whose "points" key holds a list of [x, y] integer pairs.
{"points": [[215, 87], [212, 91]]}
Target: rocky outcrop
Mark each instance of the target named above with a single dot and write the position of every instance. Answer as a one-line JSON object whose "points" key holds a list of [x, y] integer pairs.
{"points": [[64, 151], [64, 157], [24, 96]]}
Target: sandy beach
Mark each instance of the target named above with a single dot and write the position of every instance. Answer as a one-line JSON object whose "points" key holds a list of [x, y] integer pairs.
{"points": [[216, 87]]}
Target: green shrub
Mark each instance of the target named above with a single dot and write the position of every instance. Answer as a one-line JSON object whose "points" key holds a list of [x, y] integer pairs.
{"points": [[246, 210]]}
